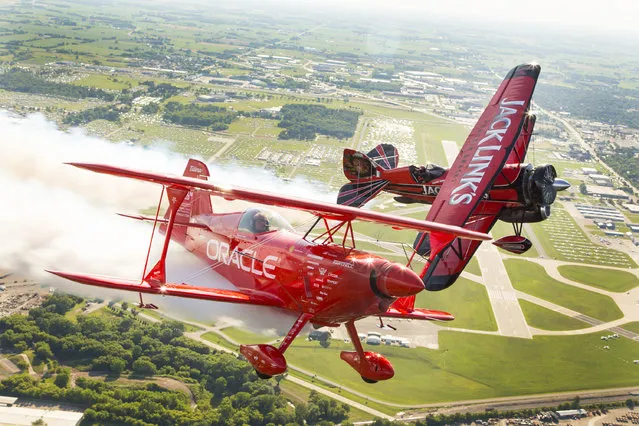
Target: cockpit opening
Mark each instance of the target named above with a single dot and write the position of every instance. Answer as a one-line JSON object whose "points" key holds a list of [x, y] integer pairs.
{"points": [[259, 221]]}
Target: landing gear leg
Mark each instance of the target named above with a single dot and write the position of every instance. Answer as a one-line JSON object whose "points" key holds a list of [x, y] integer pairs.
{"points": [[268, 360]]}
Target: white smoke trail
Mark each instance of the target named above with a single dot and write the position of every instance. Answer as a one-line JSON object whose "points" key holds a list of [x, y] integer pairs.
{"points": [[59, 217]]}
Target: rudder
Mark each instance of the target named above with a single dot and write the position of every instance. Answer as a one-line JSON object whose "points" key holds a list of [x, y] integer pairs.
{"points": [[195, 203]]}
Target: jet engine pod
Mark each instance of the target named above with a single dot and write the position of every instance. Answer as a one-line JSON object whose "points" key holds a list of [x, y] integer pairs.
{"points": [[373, 367], [514, 244], [266, 359]]}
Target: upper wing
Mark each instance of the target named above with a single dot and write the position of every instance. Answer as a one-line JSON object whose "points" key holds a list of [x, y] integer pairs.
{"points": [[327, 210], [486, 149], [244, 296]]}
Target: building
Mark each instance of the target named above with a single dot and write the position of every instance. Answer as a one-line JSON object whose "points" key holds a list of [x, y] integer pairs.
{"points": [[632, 208], [571, 414], [603, 192], [18, 416], [601, 180], [600, 213], [589, 171], [7, 401]]}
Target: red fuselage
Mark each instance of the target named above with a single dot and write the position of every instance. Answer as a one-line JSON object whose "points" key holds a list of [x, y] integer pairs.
{"points": [[329, 281], [403, 184]]}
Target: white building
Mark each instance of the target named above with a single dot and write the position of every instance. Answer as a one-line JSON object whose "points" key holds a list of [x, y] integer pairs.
{"points": [[18, 416]]}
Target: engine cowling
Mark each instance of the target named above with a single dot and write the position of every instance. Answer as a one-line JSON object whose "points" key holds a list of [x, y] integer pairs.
{"points": [[538, 188]]}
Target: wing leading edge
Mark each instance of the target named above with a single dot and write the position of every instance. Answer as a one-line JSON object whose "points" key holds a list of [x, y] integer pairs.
{"points": [[326, 210]]}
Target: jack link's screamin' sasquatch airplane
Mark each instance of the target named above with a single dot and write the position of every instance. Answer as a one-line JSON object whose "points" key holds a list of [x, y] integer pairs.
{"points": [[315, 277], [487, 182]]}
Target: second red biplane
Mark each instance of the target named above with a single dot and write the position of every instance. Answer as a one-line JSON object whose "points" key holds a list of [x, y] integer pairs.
{"points": [[318, 277], [487, 182]]}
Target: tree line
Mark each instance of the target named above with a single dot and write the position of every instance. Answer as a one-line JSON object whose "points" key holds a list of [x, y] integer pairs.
{"points": [[214, 117], [305, 121], [109, 113], [225, 388], [18, 80]]}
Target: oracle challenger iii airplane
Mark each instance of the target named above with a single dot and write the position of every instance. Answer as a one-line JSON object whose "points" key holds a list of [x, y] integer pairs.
{"points": [[316, 277], [487, 182]]}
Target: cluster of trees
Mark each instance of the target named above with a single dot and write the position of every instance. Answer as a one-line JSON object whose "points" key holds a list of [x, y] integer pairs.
{"points": [[610, 105], [225, 388], [162, 90], [304, 121], [17, 80], [625, 161], [110, 113], [214, 117]]}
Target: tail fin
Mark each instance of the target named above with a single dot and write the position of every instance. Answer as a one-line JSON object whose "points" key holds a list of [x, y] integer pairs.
{"points": [[385, 155], [195, 203], [364, 171]]}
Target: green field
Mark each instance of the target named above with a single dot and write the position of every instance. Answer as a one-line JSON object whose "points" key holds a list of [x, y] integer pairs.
{"points": [[472, 366], [531, 278], [473, 266], [546, 319], [219, 340], [466, 300], [246, 337], [605, 279]]}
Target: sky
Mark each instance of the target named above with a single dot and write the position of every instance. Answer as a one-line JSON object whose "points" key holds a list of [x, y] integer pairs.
{"points": [[611, 16]]}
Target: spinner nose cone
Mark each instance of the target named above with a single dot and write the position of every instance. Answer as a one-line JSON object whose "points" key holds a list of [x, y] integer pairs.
{"points": [[560, 185], [396, 280]]}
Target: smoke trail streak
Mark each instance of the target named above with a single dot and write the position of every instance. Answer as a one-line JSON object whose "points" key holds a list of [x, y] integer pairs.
{"points": [[56, 216]]}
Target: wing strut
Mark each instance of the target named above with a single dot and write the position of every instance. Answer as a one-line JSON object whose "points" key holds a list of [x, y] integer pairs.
{"points": [[148, 254], [157, 276], [328, 235]]}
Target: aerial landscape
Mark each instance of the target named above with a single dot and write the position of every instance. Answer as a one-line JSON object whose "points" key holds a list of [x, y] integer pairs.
{"points": [[528, 131]]}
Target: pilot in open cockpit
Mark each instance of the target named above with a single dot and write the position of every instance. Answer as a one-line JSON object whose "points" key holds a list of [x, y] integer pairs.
{"points": [[260, 223], [426, 173]]}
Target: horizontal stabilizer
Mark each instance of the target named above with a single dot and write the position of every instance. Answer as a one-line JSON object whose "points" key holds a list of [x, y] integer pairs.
{"points": [[162, 220], [179, 290], [357, 194]]}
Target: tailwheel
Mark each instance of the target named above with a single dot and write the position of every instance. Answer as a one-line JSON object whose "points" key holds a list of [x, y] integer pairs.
{"points": [[368, 380]]}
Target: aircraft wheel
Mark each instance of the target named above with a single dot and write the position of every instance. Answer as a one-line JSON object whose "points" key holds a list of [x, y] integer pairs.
{"points": [[262, 375], [368, 380]]}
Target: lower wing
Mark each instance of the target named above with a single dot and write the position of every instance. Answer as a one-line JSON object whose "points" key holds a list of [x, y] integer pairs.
{"points": [[180, 290]]}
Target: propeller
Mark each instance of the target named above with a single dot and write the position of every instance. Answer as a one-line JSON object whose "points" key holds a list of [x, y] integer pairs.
{"points": [[544, 179]]}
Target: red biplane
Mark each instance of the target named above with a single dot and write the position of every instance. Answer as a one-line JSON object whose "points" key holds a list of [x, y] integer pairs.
{"points": [[319, 277], [487, 182]]}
